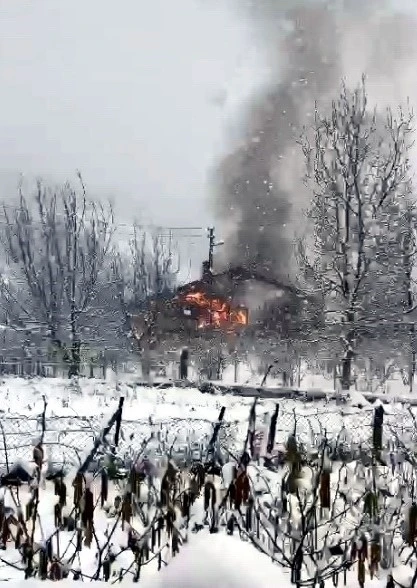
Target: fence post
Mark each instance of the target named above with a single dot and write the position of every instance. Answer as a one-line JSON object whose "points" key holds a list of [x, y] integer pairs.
{"points": [[212, 443], [83, 468], [272, 430], [377, 429], [118, 421]]}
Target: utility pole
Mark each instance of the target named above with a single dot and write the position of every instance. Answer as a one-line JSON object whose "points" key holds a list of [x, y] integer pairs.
{"points": [[212, 244], [211, 237]]}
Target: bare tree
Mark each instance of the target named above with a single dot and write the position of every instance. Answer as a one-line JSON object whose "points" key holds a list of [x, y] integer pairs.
{"points": [[58, 242], [148, 270], [408, 246], [358, 167]]}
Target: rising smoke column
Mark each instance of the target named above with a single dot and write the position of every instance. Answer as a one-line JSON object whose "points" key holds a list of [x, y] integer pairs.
{"points": [[259, 186]]}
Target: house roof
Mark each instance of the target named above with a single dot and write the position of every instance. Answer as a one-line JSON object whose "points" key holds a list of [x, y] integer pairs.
{"points": [[223, 281]]}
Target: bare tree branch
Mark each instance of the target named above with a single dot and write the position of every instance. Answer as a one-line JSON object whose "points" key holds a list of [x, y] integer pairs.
{"points": [[59, 242]]}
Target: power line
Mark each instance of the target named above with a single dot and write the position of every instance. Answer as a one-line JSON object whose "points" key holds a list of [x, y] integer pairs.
{"points": [[155, 229], [133, 224], [155, 226]]}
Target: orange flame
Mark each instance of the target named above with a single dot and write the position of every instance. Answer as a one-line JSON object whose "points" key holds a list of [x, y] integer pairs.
{"points": [[239, 315], [215, 311]]}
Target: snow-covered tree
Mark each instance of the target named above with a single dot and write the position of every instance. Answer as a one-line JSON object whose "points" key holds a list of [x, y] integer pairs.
{"points": [[56, 242], [358, 167], [146, 270], [407, 266]]}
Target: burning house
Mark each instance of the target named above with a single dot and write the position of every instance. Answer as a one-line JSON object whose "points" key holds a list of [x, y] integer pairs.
{"points": [[234, 301], [209, 301]]}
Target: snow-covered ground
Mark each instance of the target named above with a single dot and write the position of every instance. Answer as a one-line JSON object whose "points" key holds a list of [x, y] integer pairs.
{"points": [[175, 417], [223, 562], [393, 385], [76, 413]]}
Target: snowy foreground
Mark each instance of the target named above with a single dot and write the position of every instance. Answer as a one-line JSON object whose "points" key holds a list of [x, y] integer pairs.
{"points": [[225, 541], [220, 562], [209, 561]]}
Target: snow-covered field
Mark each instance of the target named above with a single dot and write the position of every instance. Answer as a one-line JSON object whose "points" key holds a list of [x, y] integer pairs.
{"points": [[226, 561], [76, 413], [203, 564], [180, 422]]}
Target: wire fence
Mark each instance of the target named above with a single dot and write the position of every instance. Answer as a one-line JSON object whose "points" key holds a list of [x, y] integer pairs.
{"points": [[351, 425], [66, 439]]}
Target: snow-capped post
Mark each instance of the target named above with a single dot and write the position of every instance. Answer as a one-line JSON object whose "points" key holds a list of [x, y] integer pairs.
{"points": [[412, 524], [377, 430], [324, 491], [104, 490], [210, 456], [272, 430], [252, 427], [118, 421], [184, 361]]}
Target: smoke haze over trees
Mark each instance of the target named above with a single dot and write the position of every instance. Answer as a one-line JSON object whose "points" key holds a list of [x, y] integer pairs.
{"points": [[309, 47]]}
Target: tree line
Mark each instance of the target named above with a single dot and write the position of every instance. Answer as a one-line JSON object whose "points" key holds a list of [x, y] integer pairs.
{"points": [[69, 284], [359, 255], [356, 280]]}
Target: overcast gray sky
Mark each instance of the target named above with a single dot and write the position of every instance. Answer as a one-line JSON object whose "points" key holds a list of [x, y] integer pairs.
{"points": [[136, 94]]}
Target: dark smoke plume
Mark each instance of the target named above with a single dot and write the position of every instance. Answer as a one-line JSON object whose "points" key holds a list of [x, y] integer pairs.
{"points": [[259, 186]]}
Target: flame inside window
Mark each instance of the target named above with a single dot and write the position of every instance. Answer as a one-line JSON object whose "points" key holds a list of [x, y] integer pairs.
{"points": [[214, 311]]}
